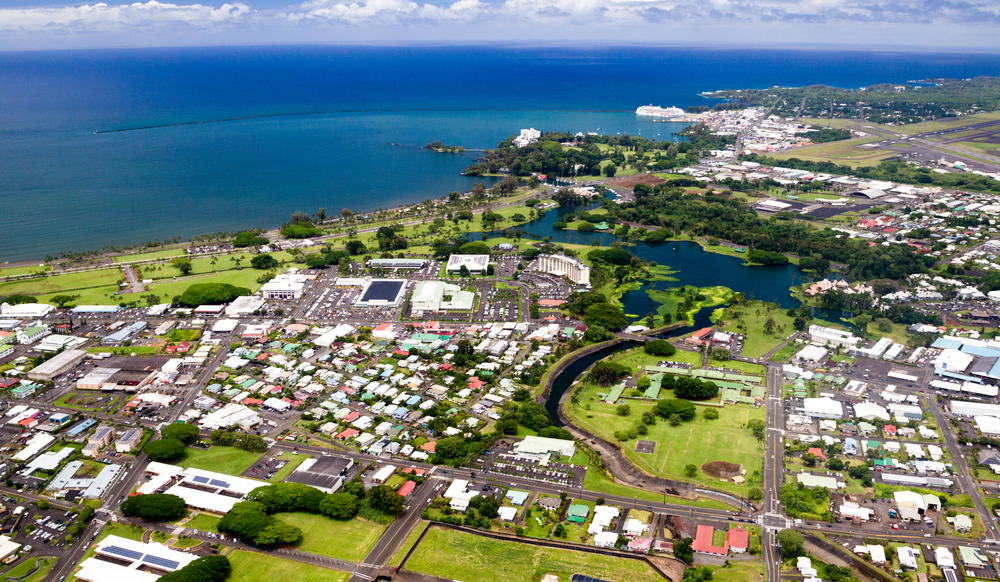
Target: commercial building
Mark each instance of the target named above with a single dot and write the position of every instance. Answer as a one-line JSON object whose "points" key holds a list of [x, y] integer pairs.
{"points": [[58, 364], [57, 342], [810, 480], [283, 287], [230, 415], [476, 264], [811, 354], [573, 269], [8, 547], [119, 337], [382, 293], [31, 334], [434, 296], [827, 335], [129, 441], [542, 448], [245, 305], [961, 408], [824, 407], [406, 264], [116, 558], [25, 310], [205, 489]]}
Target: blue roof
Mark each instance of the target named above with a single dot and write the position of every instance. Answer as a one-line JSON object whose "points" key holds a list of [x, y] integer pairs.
{"points": [[943, 343], [401, 412], [517, 497], [81, 427], [957, 376]]}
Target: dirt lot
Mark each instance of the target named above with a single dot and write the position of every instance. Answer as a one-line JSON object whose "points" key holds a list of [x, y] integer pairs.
{"points": [[631, 181]]}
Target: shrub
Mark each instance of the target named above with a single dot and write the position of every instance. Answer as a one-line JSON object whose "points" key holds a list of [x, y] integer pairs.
{"points": [[659, 347]]}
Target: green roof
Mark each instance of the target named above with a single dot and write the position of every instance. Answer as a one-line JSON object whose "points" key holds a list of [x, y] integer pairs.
{"points": [[577, 513]]}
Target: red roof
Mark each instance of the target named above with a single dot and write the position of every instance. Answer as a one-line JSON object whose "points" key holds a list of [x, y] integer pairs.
{"points": [[407, 488], [415, 471], [818, 452], [8, 383], [252, 401], [429, 446], [354, 414], [347, 434], [738, 538], [476, 383], [701, 332], [550, 302], [703, 542]]}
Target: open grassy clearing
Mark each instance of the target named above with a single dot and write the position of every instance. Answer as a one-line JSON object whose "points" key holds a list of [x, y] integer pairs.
{"points": [[204, 522], [410, 540], [254, 567], [949, 123], [290, 466], [30, 270], [349, 540], [149, 256], [168, 289], [65, 284], [985, 147], [227, 460], [669, 301], [462, 556], [695, 442], [847, 152]]}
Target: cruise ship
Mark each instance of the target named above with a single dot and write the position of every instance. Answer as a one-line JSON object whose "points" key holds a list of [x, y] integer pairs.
{"points": [[657, 111]]}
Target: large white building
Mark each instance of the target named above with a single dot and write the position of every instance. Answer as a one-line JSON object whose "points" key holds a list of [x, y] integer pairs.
{"points": [[430, 296], [827, 335], [534, 447], [960, 408], [476, 264], [822, 408], [25, 310], [116, 558], [284, 286], [573, 269]]}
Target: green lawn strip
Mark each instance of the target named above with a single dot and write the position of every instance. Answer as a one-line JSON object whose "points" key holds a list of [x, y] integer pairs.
{"points": [[199, 266], [695, 442], [149, 256], [85, 401], [784, 354], [254, 567], [669, 301], [45, 562], [290, 466], [461, 556], [30, 270], [183, 543], [227, 460], [138, 350], [354, 537], [204, 522], [84, 283], [168, 289], [738, 571], [130, 532], [410, 540]]}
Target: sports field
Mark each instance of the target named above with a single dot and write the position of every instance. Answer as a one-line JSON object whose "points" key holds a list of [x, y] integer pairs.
{"points": [[461, 556], [227, 460], [254, 567]]}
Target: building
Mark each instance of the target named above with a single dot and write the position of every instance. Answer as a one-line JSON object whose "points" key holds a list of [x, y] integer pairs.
{"points": [[827, 335], [116, 558], [8, 547], [244, 305], [527, 137], [25, 310], [57, 365], [811, 354], [32, 334], [960, 408], [284, 287], [943, 558], [459, 494], [406, 264], [703, 542], [961, 522], [824, 407], [201, 489], [573, 269], [877, 554], [476, 264], [738, 540], [907, 557], [382, 293], [119, 337], [129, 441], [434, 296], [810, 480], [541, 448]]}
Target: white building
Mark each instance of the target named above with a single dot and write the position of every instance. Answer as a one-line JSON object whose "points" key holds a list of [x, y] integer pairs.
{"points": [[961, 408], [527, 137], [476, 264], [116, 558], [822, 408], [535, 447], [827, 335], [811, 354], [244, 306], [284, 286], [870, 411], [573, 269], [25, 310]]}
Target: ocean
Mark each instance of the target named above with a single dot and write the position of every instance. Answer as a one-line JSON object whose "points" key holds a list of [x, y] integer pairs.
{"points": [[239, 137]]}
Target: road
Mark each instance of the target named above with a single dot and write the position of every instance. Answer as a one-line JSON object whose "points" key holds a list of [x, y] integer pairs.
{"points": [[773, 520]]}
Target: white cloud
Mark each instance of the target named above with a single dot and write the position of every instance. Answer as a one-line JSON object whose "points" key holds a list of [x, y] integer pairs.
{"points": [[938, 22]]}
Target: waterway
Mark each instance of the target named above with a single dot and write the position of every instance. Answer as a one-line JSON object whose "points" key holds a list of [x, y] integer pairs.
{"points": [[694, 266]]}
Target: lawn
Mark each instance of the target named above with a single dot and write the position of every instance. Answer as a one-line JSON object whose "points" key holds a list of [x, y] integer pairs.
{"points": [[410, 540], [15, 271], [785, 353], [848, 152], [227, 460], [898, 334], [81, 401], [354, 537], [739, 571], [670, 300], [204, 522], [949, 123], [149, 256], [253, 567], [695, 442], [246, 277], [750, 321], [461, 556], [87, 284], [46, 564], [139, 350]]}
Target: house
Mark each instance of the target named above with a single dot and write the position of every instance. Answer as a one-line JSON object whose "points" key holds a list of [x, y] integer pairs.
{"points": [[818, 453], [459, 494], [907, 557], [944, 558], [877, 554], [605, 539], [738, 540], [961, 522], [577, 513], [972, 557], [703, 542]]}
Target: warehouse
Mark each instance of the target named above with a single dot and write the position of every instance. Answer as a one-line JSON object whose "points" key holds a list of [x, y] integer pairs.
{"points": [[119, 337], [245, 305], [25, 310], [434, 296], [960, 408], [382, 293], [534, 447], [59, 364], [408, 264], [822, 408], [476, 264]]}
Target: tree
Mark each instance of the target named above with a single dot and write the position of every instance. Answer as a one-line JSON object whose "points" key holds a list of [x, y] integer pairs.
{"points": [[463, 271], [385, 499], [610, 170], [183, 265], [62, 300], [597, 333], [520, 395], [264, 261], [355, 247], [659, 347], [682, 408], [690, 470], [643, 382], [339, 505], [710, 414], [186, 433], [835, 464], [809, 460], [44, 504], [164, 450], [791, 543], [210, 294], [683, 551], [755, 494], [154, 507], [204, 569], [623, 410], [606, 315], [883, 324]]}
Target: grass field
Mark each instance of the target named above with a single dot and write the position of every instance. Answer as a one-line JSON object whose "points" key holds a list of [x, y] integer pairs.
{"points": [[204, 522], [695, 442], [89, 285], [254, 567], [354, 538], [14, 271], [45, 564], [228, 460], [149, 256], [847, 152], [754, 317], [985, 147], [410, 540], [240, 278], [949, 123], [462, 556], [669, 301]]}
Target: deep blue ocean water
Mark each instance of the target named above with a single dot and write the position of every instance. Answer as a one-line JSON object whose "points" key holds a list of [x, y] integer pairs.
{"points": [[64, 187]]}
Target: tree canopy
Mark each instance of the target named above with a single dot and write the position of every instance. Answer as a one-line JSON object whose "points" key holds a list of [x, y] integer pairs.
{"points": [[164, 449], [606, 315], [204, 569], [154, 507], [186, 433], [200, 294]]}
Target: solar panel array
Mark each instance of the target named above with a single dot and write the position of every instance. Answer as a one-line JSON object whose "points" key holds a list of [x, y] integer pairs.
{"points": [[124, 552], [382, 290], [218, 483], [158, 561], [200, 479], [582, 578], [139, 556]]}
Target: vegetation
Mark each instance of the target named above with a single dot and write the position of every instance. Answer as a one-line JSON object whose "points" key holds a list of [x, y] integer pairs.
{"points": [[204, 569], [210, 294], [164, 449], [186, 433], [154, 507]]}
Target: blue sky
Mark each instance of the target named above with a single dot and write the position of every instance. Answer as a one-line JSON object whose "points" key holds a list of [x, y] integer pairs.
{"points": [[907, 24]]}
